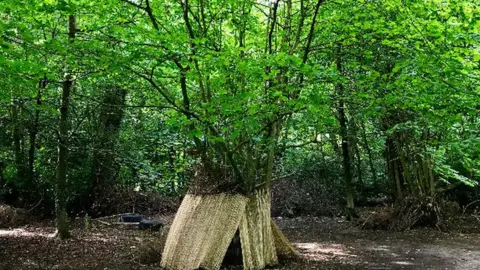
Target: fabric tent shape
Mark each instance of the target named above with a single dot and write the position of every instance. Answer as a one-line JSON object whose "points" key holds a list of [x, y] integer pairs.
{"points": [[206, 224]]}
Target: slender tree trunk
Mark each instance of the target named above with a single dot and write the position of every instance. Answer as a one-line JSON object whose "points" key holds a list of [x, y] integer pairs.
{"points": [[370, 158], [393, 168], [347, 168], [63, 230], [34, 132], [61, 185], [171, 167], [359, 165], [2, 180], [353, 140], [17, 142]]}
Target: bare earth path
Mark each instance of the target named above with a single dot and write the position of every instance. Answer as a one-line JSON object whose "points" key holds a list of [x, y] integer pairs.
{"points": [[334, 244], [325, 243]]}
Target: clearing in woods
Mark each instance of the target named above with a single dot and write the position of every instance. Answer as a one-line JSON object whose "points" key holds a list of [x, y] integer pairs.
{"points": [[324, 243]]}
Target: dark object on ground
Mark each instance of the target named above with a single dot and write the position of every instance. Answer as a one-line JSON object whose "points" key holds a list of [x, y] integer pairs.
{"points": [[131, 218], [153, 225]]}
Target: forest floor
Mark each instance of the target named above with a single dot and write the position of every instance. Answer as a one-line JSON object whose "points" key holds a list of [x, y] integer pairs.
{"points": [[324, 243]]}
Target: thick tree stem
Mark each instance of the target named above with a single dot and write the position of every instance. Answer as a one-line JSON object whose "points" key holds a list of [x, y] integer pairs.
{"points": [[63, 231], [61, 185]]}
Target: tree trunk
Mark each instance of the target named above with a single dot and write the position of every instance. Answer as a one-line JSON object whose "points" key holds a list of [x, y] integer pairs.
{"points": [[104, 168], [61, 185], [409, 166], [34, 132], [347, 168], [394, 168], [2, 180], [63, 230], [17, 143], [359, 165], [370, 158]]}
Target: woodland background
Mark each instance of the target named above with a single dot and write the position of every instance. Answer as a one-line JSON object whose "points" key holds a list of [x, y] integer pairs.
{"points": [[104, 105]]}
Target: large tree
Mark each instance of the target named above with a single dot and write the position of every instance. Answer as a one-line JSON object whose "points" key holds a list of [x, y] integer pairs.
{"points": [[232, 71]]}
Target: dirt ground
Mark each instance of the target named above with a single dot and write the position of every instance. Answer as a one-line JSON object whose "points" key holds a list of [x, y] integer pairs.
{"points": [[325, 243]]}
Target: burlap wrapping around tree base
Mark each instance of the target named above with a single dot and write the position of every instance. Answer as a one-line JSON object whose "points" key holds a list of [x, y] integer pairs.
{"points": [[206, 224], [285, 250], [256, 237], [202, 231]]}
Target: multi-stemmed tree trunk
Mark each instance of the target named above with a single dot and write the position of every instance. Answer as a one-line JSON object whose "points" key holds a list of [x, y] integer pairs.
{"points": [[61, 195], [409, 167], [234, 160]]}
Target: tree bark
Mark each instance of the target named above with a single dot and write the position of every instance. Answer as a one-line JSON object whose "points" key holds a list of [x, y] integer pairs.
{"points": [[347, 167], [2, 180], [63, 230], [393, 168], [34, 132], [17, 142], [370, 158]]}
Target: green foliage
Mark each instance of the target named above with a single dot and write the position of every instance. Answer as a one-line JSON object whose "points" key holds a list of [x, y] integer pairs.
{"points": [[223, 83]]}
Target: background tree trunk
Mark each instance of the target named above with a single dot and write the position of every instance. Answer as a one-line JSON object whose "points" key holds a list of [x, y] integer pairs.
{"points": [[34, 131], [370, 157], [104, 167], [17, 142], [347, 167]]}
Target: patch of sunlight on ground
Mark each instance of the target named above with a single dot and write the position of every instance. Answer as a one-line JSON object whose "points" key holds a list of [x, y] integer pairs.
{"points": [[381, 248], [97, 237], [385, 249], [403, 263], [323, 251], [24, 233]]}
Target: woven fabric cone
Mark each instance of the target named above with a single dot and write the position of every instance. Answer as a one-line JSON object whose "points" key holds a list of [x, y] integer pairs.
{"points": [[256, 237], [202, 231], [283, 246]]}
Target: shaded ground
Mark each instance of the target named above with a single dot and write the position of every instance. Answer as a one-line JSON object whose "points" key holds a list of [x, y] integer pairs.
{"points": [[334, 244], [325, 243]]}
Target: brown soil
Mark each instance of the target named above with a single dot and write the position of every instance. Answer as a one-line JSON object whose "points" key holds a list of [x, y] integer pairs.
{"points": [[325, 243], [328, 243]]}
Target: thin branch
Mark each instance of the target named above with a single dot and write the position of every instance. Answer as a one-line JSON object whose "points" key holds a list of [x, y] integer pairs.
{"points": [[312, 31], [149, 11]]}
